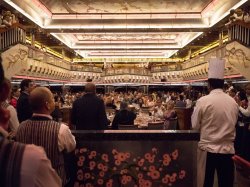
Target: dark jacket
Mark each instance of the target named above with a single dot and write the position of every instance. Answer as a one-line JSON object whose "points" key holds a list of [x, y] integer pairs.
{"points": [[123, 117], [180, 104], [88, 113], [24, 110]]}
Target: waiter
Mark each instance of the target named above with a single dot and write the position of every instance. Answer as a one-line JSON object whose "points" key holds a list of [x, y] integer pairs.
{"points": [[215, 116]]}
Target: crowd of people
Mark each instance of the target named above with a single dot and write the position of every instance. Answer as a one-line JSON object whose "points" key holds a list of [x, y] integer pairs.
{"points": [[31, 115]]}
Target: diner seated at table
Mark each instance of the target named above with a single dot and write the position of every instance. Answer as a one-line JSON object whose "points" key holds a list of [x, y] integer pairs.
{"points": [[170, 113], [159, 110], [123, 116]]}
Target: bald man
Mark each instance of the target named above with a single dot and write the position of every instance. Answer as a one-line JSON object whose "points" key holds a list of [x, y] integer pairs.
{"points": [[41, 130], [27, 163], [88, 112]]}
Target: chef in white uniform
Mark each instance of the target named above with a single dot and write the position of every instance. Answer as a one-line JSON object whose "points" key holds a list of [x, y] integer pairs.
{"points": [[215, 116]]}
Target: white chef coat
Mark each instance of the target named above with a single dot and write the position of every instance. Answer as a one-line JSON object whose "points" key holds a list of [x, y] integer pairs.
{"points": [[215, 116]]}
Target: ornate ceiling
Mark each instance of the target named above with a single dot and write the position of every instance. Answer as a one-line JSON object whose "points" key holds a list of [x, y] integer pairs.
{"points": [[125, 28]]}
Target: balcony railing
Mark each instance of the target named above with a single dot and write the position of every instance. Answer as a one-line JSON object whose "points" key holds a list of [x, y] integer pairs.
{"points": [[127, 71], [12, 36], [240, 31]]}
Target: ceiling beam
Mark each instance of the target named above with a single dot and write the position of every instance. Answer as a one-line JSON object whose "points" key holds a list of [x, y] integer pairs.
{"points": [[85, 31]]}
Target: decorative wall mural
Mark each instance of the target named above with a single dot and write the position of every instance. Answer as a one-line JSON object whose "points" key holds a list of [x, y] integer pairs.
{"points": [[237, 55], [137, 164], [14, 59]]}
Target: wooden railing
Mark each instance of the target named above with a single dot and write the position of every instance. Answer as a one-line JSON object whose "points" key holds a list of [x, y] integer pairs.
{"points": [[240, 32], [11, 36]]}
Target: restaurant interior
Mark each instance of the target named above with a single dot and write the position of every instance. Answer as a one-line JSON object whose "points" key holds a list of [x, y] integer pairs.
{"points": [[128, 46]]}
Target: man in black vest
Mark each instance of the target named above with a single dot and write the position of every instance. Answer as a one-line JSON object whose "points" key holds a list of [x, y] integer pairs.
{"points": [[88, 112]]}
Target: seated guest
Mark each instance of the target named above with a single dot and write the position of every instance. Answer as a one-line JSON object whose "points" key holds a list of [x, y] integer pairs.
{"points": [[110, 103], [41, 130], [123, 117], [88, 112], [159, 109], [28, 163], [170, 111]]}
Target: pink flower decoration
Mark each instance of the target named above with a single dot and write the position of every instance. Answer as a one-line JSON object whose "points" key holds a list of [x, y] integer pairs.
{"points": [[147, 156], [82, 158], [118, 162], [100, 166], [114, 151], [175, 154], [105, 168], [151, 168], [87, 175], [101, 174], [109, 183], [155, 174], [105, 157], [127, 155], [164, 180], [121, 157], [173, 178], [166, 157], [92, 164], [80, 177], [151, 160], [129, 178], [140, 175], [147, 183], [124, 180], [93, 153], [79, 163], [100, 181], [182, 174], [88, 185]]}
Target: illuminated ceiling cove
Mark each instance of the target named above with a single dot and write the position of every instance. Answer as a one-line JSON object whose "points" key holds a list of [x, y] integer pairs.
{"points": [[125, 28]]}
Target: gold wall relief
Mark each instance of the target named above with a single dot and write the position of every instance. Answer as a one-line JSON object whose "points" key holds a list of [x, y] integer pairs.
{"points": [[20, 56], [237, 55]]}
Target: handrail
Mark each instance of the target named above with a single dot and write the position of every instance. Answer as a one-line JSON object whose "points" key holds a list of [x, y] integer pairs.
{"points": [[14, 25], [240, 31], [12, 35]]}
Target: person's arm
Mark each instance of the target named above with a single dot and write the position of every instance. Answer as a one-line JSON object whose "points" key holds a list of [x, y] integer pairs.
{"points": [[196, 116], [102, 117], [14, 123], [115, 123], [36, 169], [66, 140], [245, 112], [73, 115]]}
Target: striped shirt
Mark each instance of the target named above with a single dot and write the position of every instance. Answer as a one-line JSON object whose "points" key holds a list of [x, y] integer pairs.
{"points": [[11, 155], [44, 132]]}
